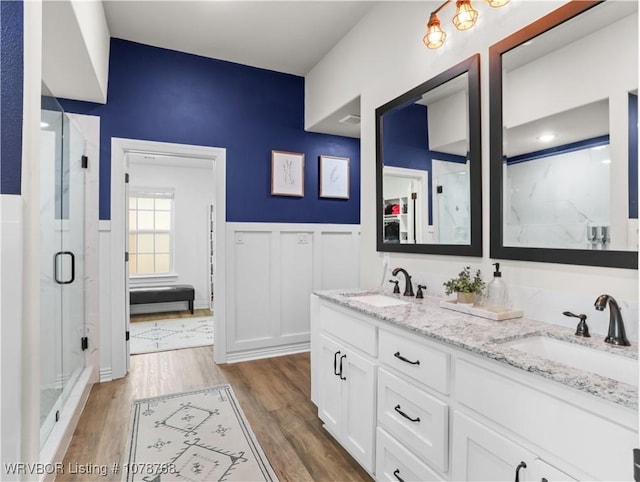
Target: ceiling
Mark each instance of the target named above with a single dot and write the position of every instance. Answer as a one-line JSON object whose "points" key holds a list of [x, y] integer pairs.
{"points": [[285, 36], [573, 125], [562, 35]]}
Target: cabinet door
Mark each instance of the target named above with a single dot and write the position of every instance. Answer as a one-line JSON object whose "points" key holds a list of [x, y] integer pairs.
{"points": [[480, 454], [541, 471], [330, 385], [359, 408]]}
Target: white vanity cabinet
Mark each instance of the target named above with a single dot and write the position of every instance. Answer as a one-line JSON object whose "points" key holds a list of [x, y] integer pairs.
{"points": [[408, 407], [581, 435], [346, 383]]}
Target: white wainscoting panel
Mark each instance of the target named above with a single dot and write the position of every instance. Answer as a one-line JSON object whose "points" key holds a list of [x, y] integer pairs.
{"points": [[251, 270], [296, 281], [272, 269], [339, 260], [11, 242]]}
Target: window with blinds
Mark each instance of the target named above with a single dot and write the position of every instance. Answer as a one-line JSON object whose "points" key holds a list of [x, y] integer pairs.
{"points": [[150, 233]]}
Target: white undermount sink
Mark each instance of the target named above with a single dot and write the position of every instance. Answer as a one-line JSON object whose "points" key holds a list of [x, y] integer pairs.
{"points": [[617, 367], [379, 301]]}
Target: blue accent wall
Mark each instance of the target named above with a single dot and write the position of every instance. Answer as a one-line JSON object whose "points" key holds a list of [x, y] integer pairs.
{"points": [[163, 95], [405, 141], [405, 138], [11, 91], [633, 156]]}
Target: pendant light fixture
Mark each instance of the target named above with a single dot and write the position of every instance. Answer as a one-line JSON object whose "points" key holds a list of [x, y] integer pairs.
{"points": [[435, 35], [464, 18], [497, 3]]}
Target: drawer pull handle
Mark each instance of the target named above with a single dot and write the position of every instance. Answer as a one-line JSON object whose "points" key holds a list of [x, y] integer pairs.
{"points": [[397, 409], [521, 465], [335, 363], [342, 358], [400, 357], [396, 473]]}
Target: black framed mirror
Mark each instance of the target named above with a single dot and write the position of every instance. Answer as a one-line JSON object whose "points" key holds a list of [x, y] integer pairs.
{"points": [[428, 166], [563, 132]]}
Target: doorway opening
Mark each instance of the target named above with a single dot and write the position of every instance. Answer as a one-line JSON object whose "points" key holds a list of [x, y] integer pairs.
{"points": [[406, 205], [166, 193], [170, 244]]}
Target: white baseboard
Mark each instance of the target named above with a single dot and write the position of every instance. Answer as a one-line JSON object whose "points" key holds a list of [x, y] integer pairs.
{"points": [[106, 375], [270, 352]]}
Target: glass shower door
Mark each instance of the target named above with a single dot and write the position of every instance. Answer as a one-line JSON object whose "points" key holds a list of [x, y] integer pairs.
{"points": [[62, 261], [72, 266], [51, 225]]}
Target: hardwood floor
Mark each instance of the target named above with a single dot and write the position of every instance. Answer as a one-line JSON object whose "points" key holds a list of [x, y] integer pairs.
{"points": [[274, 394]]}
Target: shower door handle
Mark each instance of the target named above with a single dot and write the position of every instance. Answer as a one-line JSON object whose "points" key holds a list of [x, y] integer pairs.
{"points": [[56, 257]]}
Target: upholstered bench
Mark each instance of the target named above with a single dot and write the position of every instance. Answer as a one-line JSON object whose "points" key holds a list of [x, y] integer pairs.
{"points": [[162, 294]]}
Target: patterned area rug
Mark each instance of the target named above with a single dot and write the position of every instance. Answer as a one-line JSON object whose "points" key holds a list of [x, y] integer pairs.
{"points": [[170, 334], [194, 436]]}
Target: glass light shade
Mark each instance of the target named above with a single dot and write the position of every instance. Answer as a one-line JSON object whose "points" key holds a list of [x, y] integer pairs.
{"points": [[465, 16], [498, 3], [435, 35]]}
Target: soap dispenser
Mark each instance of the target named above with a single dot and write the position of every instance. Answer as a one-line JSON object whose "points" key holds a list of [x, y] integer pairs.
{"points": [[496, 297]]}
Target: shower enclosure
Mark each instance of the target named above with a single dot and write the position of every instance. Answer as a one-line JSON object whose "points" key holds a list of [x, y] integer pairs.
{"points": [[62, 311]]}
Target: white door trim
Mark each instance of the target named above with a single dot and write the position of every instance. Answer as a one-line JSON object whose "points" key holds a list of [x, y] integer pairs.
{"points": [[119, 150], [422, 177]]}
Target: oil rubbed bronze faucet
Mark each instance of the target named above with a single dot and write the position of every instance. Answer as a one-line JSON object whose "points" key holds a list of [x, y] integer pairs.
{"points": [[408, 287], [616, 334]]}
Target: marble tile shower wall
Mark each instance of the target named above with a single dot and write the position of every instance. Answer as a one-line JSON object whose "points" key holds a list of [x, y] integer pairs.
{"points": [[552, 200], [539, 304]]}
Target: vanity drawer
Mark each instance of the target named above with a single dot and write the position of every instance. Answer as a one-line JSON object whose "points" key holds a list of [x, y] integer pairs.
{"points": [[394, 462], [350, 328], [415, 359], [415, 418]]}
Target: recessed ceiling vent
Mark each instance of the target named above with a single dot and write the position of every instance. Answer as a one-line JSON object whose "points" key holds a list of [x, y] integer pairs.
{"points": [[350, 119]]}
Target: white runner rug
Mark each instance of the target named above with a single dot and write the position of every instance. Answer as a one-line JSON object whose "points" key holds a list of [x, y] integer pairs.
{"points": [[170, 334], [193, 436]]}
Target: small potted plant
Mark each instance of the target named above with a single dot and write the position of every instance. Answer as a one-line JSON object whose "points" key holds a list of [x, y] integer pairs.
{"points": [[465, 286]]}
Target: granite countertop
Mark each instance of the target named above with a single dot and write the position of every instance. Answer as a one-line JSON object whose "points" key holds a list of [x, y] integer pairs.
{"points": [[490, 339]]}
